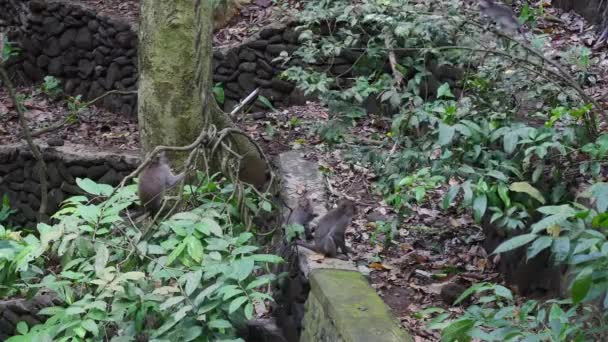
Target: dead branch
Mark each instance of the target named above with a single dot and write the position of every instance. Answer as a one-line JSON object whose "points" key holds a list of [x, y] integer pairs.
{"points": [[397, 75]]}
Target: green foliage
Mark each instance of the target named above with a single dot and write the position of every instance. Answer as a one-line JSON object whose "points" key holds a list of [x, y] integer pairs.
{"points": [[509, 165], [497, 317], [5, 209], [51, 87], [294, 231], [9, 50], [191, 278], [218, 92], [264, 100], [387, 229]]}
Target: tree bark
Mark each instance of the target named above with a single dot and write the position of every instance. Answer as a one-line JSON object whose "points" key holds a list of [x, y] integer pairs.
{"points": [[175, 56]]}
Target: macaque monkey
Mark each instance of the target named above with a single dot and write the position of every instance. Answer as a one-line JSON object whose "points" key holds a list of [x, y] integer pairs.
{"points": [[302, 214], [154, 180], [503, 16], [329, 234], [253, 170]]}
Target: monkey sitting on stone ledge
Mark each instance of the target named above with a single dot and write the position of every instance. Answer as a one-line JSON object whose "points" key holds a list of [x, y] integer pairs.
{"points": [[329, 234]]}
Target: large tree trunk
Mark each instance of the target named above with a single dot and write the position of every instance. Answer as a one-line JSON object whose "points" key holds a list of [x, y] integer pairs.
{"points": [[175, 79]]}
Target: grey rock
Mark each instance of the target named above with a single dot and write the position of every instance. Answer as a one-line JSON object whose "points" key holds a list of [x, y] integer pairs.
{"points": [[85, 68], [248, 67], [52, 26], [83, 39], [55, 141], [97, 171], [55, 66], [67, 38], [247, 82], [112, 75], [52, 48], [42, 61], [247, 55], [111, 177], [259, 44], [93, 25], [77, 171]]}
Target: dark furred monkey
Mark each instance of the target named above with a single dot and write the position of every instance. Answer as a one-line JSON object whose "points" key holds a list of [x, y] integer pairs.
{"points": [[329, 234], [154, 180], [302, 214], [503, 16]]}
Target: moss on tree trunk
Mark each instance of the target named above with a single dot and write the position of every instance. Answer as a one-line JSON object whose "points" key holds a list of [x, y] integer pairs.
{"points": [[175, 77]]}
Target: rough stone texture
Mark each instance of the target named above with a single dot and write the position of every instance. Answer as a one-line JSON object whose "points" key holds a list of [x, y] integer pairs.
{"points": [[342, 306], [93, 54], [19, 176], [57, 40], [13, 311]]}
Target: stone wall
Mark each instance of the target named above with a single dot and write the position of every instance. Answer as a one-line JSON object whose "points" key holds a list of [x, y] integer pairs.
{"points": [[93, 54], [328, 300], [90, 53], [242, 69], [13, 311], [19, 176]]}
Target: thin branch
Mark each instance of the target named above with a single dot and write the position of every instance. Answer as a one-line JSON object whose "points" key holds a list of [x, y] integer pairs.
{"points": [[245, 101], [42, 171], [397, 75]]}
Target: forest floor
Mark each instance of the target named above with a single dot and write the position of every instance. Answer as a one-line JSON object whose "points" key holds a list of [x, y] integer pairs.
{"points": [[432, 247]]}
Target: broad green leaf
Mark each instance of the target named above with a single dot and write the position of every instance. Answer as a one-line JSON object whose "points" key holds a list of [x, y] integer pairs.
{"points": [[270, 258], [581, 285], [176, 253], [503, 193], [74, 310], [242, 268], [561, 248], [171, 302], [94, 188], [229, 291], [480, 205], [181, 313], [208, 226], [236, 303], [101, 258], [498, 175], [259, 282], [549, 221], [564, 210], [193, 281], [249, 311], [22, 328], [538, 246], [503, 292], [526, 188], [514, 243], [446, 134], [266, 206], [419, 193], [444, 91], [510, 142], [450, 196], [220, 324], [458, 330], [91, 326], [600, 192], [195, 248]]}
